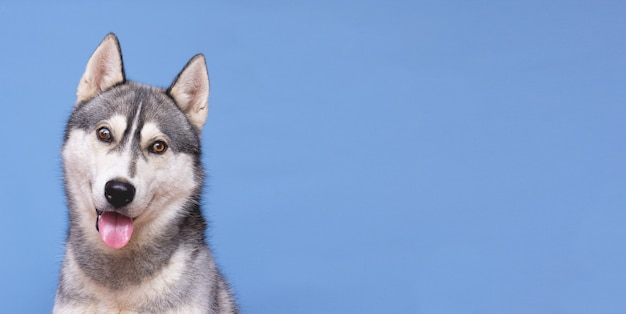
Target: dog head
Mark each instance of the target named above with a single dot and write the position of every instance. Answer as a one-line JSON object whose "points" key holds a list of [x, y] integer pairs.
{"points": [[131, 155]]}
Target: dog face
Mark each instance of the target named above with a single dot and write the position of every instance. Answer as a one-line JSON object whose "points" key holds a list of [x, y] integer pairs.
{"points": [[132, 152]]}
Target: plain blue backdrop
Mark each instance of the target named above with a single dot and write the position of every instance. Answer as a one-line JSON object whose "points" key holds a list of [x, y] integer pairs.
{"points": [[363, 156]]}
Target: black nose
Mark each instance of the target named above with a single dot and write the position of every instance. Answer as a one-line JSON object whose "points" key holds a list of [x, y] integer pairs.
{"points": [[119, 193]]}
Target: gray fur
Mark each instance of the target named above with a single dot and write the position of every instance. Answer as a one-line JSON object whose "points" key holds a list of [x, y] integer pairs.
{"points": [[92, 275]]}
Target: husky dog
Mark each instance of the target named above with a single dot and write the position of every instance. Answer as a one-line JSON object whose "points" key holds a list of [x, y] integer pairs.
{"points": [[133, 179]]}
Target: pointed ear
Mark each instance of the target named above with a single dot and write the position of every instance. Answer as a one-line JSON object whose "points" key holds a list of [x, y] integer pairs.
{"points": [[104, 69], [190, 90]]}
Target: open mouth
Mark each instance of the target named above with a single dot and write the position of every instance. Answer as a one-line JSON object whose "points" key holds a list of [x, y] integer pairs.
{"points": [[115, 229]]}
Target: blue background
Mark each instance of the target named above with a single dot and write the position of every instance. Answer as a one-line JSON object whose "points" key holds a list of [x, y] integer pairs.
{"points": [[364, 156]]}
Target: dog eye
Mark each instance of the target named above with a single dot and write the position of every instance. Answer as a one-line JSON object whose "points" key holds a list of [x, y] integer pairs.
{"points": [[158, 147], [104, 134]]}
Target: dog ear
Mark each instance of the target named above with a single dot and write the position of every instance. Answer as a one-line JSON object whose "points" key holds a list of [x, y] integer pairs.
{"points": [[190, 90], [105, 69]]}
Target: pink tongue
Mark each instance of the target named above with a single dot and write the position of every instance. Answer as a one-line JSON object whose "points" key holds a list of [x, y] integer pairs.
{"points": [[115, 229]]}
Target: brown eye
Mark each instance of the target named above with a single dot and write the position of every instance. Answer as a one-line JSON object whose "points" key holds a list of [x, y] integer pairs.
{"points": [[104, 134], [158, 147]]}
